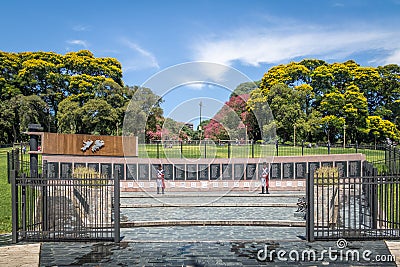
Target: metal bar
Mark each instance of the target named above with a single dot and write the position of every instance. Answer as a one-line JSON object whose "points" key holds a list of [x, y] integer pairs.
{"points": [[14, 207], [310, 208], [116, 209]]}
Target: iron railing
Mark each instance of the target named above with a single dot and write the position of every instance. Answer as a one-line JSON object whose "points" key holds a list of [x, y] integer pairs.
{"points": [[83, 208], [356, 208], [251, 149]]}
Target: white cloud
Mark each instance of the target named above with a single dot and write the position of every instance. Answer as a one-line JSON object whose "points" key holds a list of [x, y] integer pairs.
{"points": [[78, 42], [81, 28], [140, 59], [394, 58], [277, 45]]}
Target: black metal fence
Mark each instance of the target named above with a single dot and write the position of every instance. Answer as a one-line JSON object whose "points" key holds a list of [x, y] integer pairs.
{"points": [[364, 207], [82, 208], [251, 149]]}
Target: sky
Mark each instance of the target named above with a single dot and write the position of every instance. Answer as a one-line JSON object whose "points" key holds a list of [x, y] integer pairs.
{"points": [[149, 37]]}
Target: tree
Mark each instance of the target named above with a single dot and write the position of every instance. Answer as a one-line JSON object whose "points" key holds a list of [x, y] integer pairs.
{"points": [[381, 129], [344, 90]]}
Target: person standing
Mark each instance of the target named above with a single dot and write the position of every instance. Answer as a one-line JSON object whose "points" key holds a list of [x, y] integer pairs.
{"points": [[160, 180], [264, 179]]}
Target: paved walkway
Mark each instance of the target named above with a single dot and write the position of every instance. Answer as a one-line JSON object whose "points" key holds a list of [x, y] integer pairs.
{"points": [[200, 254], [20, 255], [205, 245]]}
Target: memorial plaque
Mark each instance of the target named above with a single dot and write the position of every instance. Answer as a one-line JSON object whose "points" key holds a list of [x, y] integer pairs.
{"points": [[191, 172], [79, 165], [215, 171], [301, 170], [105, 170], [251, 171], [260, 170], [168, 171], [342, 168], [52, 170], [275, 172], [288, 170], [203, 171], [238, 171], [131, 172], [313, 166], [227, 172], [94, 166], [143, 172], [179, 171], [355, 168], [119, 170], [327, 164], [66, 169], [153, 171]]}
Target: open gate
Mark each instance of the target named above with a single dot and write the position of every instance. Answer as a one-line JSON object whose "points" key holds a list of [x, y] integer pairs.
{"points": [[356, 208], [62, 208]]}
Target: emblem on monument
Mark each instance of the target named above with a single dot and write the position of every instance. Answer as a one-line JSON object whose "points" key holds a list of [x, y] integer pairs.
{"points": [[86, 145], [96, 146]]}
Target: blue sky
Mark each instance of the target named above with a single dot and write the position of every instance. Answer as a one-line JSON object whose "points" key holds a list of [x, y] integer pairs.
{"points": [[251, 36]]}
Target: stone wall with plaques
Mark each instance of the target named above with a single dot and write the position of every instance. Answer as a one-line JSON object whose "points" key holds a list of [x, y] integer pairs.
{"points": [[276, 172], [106, 170], [180, 172], [168, 171], [238, 171], [301, 170], [355, 168], [313, 166], [191, 172], [203, 171], [215, 171], [222, 173], [66, 169], [131, 172], [342, 168], [288, 170], [251, 171], [227, 172]]}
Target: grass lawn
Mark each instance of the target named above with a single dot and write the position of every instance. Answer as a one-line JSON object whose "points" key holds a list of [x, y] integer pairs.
{"points": [[5, 194], [244, 151]]}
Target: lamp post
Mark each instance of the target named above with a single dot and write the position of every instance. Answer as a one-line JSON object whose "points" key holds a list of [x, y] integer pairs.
{"points": [[294, 135]]}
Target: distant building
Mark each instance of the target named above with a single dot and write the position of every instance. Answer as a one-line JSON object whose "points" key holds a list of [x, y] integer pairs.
{"points": [[189, 125]]}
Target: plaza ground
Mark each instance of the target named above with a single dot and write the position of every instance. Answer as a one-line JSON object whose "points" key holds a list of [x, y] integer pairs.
{"points": [[198, 245]]}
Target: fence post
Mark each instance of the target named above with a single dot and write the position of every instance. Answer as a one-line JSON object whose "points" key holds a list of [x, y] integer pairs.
{"points": [[158, 149], [302, 147], [8, 167], [310, 207], [116, 208], [45, 221], [229, 149], [14, 206], [277, 148], [180, 143], [252, 148], [33, 146]]}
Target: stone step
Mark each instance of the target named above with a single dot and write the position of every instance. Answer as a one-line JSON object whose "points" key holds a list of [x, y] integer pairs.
{"points": [[256, 194], [275, 223], [194, 205]]}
